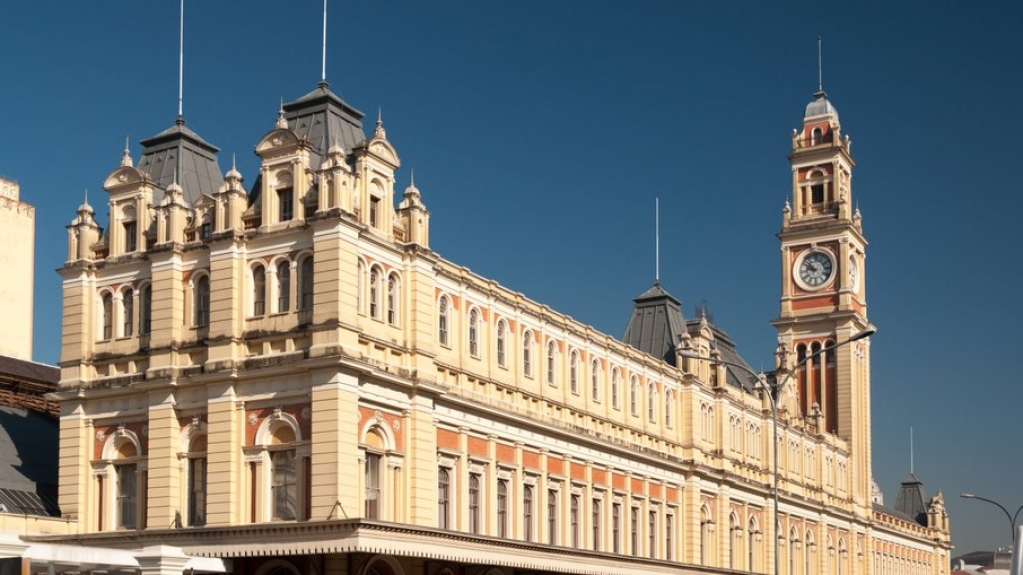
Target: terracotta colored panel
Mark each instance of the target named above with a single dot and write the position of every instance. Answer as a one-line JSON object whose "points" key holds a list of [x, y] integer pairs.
{"points": [[478, 446], [618, 481], [810, 303], [531, 459], [578, 472], [599, 477], [447, 439], [505, 453], [555, 465], [637, 486]]}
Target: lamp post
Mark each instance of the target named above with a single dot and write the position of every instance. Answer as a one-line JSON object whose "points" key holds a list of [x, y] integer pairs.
{"points": [[774, 414], [1011, 518]]}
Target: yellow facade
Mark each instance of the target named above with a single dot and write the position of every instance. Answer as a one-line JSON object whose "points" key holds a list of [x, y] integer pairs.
{"points": [[293, 373], [17, 235]]}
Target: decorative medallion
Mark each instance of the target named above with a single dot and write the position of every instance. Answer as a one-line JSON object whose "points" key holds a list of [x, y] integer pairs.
{"points": [[306, 413], [396, 425], [253, 419]]}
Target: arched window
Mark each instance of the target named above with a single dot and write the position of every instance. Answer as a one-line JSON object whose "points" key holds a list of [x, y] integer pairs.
{"points": [[573, 519], [816, 137], [793, 541], [127, 313], [502, 327], [751, 543], [705, 541], [616, 384], [108, 316], [474, 503], [258, 290], [197, 481], [651, 402], [305, 287], [573, 371], [360, 288], [669, 408], [443, 498], [474, 333], [145, 309], [595, 522], [595, 380], [552, 349], [202, 301], [527, 513], [283, 474], [373, 473], [442, 320], [374, 293], [502, 507], [809, 554], [393, 286], [527, 353], [734, 539], [634, 395], [284, 286], [552, 516]]}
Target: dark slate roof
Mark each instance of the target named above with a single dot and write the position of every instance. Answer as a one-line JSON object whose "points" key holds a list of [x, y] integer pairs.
{"points": [[178, 153], [324, 119], [893, 512], [911, 500], [13, 368], [28, 462], [734, 376], [656, 325]]}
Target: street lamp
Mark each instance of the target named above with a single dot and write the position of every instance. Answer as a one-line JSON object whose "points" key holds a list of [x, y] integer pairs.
{"points": [[774, 413], [1012, 518]]}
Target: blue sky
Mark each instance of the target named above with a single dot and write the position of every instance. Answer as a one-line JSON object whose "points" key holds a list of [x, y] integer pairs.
{"points": [[541, 133]]}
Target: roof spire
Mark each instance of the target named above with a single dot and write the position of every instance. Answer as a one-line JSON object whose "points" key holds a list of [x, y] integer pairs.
{"points": [[379, 131], [657, 241], [181, 64], [282, 122], [323, 65], [911, 450], [412, 177]]}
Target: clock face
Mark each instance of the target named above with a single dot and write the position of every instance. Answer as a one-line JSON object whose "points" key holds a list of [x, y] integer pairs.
{"points": [[815, 269]]}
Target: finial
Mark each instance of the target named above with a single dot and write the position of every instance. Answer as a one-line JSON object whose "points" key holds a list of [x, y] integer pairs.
{"points": [[412, 177], [379, 131], [233, 165], [126, 156], [657, 241], [911, 450], [820, 67], [282, 122], [86, 202]]}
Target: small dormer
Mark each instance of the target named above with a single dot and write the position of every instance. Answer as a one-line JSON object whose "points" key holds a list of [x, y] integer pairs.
{"points": [[285, 174], [376, 161], [414, 218], [131, 196]]}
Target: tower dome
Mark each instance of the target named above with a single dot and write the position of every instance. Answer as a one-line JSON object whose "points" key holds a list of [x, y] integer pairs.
{"points": [[820, 106]]}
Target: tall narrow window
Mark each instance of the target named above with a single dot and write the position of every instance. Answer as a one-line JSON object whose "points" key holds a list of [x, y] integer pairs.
{"points": [[374, 293], [817, 193], [258, 291], [108, 316], [573, 372], [552, 516], [595, 380], [527, 353], [197, 481], [634, 396], [197, 490], [527, 512], [651, 530], [669, 408], [669, 537], [202, 301], [306, 280], [442, 320], [372, 486], [392, 300], [443, 498], [574, 520], [284, 484], [130, 236], [551, 350], [205, 228], [127, 313], [474, 503], [597, 520], [502, 508], [616, 384], [501, 327], [816, 137], [145, 309], [651, 402], [127, 496], [283, 286], [750, 542], [705, 537], [616, 527], [474, 333], [285, 201], [634, 530]]}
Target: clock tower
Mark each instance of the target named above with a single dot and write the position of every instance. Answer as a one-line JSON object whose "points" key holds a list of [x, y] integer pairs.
{"points": [[823, 299]]}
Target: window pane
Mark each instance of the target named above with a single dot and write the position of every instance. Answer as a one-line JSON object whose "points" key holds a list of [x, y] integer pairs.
{"points": [[372, 486], [127, 498], [284, 484], [197, 491]]}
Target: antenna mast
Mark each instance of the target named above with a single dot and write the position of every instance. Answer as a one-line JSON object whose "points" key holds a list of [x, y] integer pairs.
{"points": [[657, 240], [181, 62], [323, 65], [911, 451], [820, 67]]}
